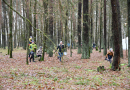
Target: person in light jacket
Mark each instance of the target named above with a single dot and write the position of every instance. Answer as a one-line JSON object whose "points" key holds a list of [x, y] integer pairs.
{"points": [[39, 52]]}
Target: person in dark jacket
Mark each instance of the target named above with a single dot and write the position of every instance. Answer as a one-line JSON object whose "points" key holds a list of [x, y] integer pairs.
{"points": [[110, 54], [31, 55], [94, 45], [61, 50]]}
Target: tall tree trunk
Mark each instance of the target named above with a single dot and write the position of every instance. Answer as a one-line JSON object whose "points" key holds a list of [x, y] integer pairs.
{"points": [[71, 36], [45, 4], [59, 31], [128, 2], [30, 17], [85, 52], [105, 42], [35, 23], [0, 20], [74, 29], [115, 29], [15, 32], [10, 25], [51, 27], [96, 37], [100, 26], [61, 20], [91, 19], [24, 27], [4, 26], [28, 30], [79, 26], [120, 31], [66, 27], [109, 32]]}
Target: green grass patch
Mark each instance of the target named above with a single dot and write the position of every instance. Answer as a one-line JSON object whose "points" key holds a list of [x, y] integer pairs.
{"points": [[55, 79], [122, 64], [78, 78], [77, 67], [82, 82], [114, 84], [61, 87], [97, 79]]}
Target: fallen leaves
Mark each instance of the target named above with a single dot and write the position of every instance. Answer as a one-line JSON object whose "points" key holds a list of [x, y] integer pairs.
{"points": [[72, 73]]}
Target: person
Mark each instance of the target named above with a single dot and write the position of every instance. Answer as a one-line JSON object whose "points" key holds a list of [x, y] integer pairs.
{"points": [[61, 50], [31, 55], [30, 40], [68, 44], [110, 54], [39, 52], [94, 45], [33, 47]]}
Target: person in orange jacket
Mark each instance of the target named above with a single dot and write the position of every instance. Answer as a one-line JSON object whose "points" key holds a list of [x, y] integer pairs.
{"points": [[110, 54]]}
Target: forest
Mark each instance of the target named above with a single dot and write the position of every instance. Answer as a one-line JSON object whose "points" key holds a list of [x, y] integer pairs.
{"points": [[65, 44]]}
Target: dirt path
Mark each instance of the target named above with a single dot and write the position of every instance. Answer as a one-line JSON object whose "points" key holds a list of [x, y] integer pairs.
{"points": [[73, 73]]}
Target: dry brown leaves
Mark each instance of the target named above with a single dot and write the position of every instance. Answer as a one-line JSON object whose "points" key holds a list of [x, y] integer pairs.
{"points": [[73, 73]]}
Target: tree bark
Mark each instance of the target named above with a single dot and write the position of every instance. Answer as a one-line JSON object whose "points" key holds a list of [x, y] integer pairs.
{"points": [[66, 26], [96, 37], [10, 24], [28, 29], [35, 23], [115, 29], [4, 27], [105, 40], [120, 31], [128, 3], [79, 26], [51, 27], [91, 19], [100, 26], [71, 36], [24, 26], [0, 20], [45, 4], [15, 32], [30, 17], [85, 53]]}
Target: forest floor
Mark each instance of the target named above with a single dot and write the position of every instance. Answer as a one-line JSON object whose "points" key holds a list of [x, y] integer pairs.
{"points": [[73, 73]]}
